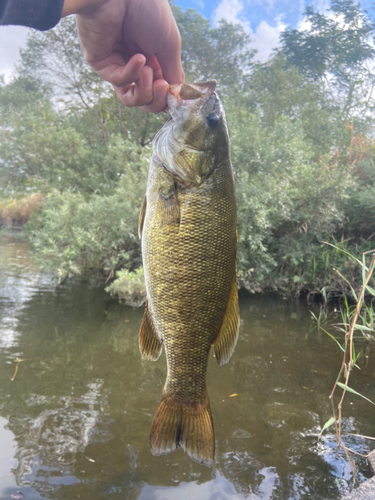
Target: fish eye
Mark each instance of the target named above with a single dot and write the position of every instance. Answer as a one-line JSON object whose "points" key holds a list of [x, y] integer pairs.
{"points": [[212, 120]]}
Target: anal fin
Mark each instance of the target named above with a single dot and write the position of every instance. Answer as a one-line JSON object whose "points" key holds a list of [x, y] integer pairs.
{"points": [[150, 344], [226, 339]]}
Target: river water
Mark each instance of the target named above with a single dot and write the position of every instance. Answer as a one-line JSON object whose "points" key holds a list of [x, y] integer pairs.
{"points": [[76, 400]]}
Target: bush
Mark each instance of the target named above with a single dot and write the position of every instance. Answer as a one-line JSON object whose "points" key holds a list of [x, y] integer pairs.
{"points": [[288, 202], [76, 234], [17, 212], [129, 287]]}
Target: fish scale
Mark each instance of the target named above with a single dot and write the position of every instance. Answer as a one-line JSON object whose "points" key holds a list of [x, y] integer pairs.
{"points": [[188, 227]]}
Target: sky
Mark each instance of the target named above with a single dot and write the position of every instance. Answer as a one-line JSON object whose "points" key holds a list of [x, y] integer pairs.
{"points": [[263, 20]]}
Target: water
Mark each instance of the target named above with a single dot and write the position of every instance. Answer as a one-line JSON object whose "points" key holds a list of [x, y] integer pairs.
{"points": [[74, 421]]}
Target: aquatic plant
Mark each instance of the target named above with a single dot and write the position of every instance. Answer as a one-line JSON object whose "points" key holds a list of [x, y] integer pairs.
{"points": [[357, 317]]}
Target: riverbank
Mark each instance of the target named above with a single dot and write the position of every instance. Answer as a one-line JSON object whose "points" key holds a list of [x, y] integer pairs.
{"points": [[332, 274]]}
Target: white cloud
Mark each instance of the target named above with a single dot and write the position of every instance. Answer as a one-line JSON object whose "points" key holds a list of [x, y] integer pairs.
{"points": [[199, 3], [229, 10], [268, 5], [12, 38], [265, 37], [303, 24]]}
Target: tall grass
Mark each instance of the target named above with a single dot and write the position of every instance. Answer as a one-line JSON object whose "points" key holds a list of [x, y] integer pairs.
{"points": [[356, 318]]}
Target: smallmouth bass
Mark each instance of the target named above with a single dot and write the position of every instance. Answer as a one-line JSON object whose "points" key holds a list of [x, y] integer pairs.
{"points": [[189, 244]]}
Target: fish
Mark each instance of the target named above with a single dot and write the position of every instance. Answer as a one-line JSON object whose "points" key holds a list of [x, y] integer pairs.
{"points": [[188, 230]]}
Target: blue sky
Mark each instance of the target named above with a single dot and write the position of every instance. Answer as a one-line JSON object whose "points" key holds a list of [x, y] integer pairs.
{"points": [[263, 20], [256, 11]]}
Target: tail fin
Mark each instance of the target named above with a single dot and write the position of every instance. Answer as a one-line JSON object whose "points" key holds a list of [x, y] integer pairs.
{"points": [[176, 424]]}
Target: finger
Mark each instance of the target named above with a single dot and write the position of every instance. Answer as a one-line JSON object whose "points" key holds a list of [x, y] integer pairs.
{"points": [[117, 70], [160, 93], [139, 93], [154, 64], [169, 58]]}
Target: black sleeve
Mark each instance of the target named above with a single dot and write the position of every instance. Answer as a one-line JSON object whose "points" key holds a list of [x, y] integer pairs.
{"points": [[39, 14]]}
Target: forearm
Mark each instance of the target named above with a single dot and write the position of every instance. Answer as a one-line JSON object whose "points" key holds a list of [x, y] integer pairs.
{"points": [[39, 14], [42, 14]]}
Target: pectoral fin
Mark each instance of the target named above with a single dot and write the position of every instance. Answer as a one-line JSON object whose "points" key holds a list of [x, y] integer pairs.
{"points": [[150, 343], [226, 340], [142, 216], [168, 207]]}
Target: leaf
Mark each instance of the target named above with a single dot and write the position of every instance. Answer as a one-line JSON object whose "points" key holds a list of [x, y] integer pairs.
{"points": [[329, 422], [314, 316], [371, 290], [363, 327], [344, 251], [364, 268], [347, 282], [340, 384], [333, 338]]}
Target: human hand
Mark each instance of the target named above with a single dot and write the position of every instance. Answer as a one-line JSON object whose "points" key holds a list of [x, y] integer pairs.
{"points": [[133, 44]]}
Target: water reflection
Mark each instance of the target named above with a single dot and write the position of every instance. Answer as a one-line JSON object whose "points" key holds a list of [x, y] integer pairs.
{"points": [[81, 404]]}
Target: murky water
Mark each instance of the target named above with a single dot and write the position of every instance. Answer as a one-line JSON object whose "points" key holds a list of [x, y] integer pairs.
{"points": [[75, 413]]}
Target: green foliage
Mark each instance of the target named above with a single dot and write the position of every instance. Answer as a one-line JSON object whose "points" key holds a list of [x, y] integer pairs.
{"points": [[360, 207], [74, 234], [276, 91], [129, 287], [335, 50], [214, 53], [287, 202], [40, 148]]}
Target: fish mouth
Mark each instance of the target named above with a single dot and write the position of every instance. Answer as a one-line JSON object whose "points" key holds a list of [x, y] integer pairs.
{"points": [[188, 92]]}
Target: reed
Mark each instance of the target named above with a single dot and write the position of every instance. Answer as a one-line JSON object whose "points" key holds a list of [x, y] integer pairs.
{"points": [[356, 317]]}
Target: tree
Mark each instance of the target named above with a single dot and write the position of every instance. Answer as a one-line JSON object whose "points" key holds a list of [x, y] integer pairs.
{"points": [[276, 90], [41, 148], [220, 53], [336, 50]]}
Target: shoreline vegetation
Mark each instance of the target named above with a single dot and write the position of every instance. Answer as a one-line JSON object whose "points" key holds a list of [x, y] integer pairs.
{"points": [[74, 162]]}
